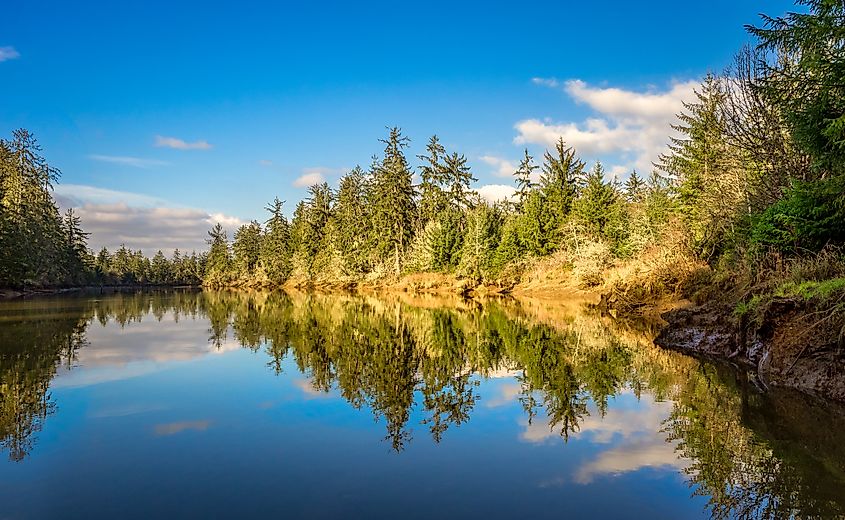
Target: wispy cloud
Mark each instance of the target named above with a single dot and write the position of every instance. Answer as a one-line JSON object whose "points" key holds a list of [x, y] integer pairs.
{"points": [[135, 162], [182, 426], [265, 162], [630, 124], [8, 53], [179, 144], [546, 82]]}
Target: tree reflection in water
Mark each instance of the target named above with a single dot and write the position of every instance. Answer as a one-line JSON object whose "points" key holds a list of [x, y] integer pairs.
{"points": [[752, 455]]}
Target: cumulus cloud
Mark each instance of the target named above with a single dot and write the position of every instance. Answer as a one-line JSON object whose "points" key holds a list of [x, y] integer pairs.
{"points": [[179, 144], [501, 167], [135, 162], [496, 192], [140, 221], [629, 124], [8, 53]]}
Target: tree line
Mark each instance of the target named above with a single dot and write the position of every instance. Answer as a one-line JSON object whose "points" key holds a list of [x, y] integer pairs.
{"points": [[757, 172]]}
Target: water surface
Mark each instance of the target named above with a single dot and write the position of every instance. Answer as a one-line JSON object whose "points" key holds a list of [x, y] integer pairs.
{"points": [[169, 404]]}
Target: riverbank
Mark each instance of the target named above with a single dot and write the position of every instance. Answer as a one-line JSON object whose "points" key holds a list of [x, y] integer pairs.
{"points": [[8, 294]]}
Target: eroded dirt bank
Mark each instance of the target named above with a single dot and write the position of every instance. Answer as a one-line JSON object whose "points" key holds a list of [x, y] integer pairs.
{"points": [[789, 343]]}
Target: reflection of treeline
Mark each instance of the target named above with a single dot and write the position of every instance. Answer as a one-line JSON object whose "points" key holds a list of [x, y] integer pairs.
{"points": [[33, 343], [752, 461], [380, 354], [754, 456]]}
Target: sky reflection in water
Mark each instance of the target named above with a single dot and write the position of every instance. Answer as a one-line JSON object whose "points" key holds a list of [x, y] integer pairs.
{"points": [[225, 404]]}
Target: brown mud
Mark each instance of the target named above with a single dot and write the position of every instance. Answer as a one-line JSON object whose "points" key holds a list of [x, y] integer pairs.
{"points": [[790, 343]]}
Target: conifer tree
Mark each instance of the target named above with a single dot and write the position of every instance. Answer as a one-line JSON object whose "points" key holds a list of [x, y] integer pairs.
{"points": [[218, 261], [276, 251], [594, 206], [433, 200], [806, 77], [393, 199], [457, 177], [352, 214], [247, 247], [634, 187], [558, 183], [523, 175]]}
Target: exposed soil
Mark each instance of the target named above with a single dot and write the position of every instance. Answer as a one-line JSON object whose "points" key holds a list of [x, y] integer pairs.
{"points": [[790, 343]]}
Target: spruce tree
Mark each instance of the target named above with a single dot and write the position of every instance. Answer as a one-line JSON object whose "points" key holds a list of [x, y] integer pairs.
{"points": [[594, 207], [523, 175], [276, 250], [352, 214], [432, 173], [393, 199], [558, 182], [218, 260]]}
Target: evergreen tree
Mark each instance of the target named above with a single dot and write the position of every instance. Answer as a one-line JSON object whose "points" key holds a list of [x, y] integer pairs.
{"points": [[523, 175], [159, 269], [457, 178], [352, 214], [393, 199], [433, 200], [634, 187], [558, 182], [806, 77], [218, 261], [480, 242], [246, 248], [276, 248], [597, 200]]}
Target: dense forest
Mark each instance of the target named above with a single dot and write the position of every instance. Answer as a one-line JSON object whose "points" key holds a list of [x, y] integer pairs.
{"points": [[752, 186]]}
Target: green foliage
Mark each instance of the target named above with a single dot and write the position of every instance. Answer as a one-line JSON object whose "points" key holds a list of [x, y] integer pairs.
{"points": [[809, 217], [392, 199], [276, 251], [478, 254], [811, 289], [805, 76], [523, 178], [597, 199]]}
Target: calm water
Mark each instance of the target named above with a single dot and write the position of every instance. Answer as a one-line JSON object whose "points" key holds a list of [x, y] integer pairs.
{"points": [[177, 404]]}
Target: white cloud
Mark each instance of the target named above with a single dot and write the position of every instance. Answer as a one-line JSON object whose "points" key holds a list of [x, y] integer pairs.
{"points": [[496, 192], [179, 144], [501, 167], [8, 53], [308, 179], [314, 175], [135, 162], [651, 452], [140, 221], [75, 195], [265, 162], [546, 82], [634, 126]]}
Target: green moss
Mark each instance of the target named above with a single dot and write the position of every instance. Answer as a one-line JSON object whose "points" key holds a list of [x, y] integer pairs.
{"points": [[811, 289]]}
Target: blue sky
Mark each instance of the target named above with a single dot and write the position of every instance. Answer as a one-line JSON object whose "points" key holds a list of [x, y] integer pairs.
{"points": [[165, 118]]}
